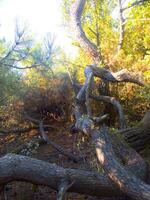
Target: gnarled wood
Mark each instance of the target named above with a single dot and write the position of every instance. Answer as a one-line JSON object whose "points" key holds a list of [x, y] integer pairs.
{"points": [[126, 181], [121, 76], [21, 168], [76, 12], [116, 104], [123, 177]]}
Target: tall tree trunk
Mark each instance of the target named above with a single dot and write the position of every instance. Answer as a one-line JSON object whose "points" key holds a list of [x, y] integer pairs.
{"points": [[90, 48], [121, 26]]}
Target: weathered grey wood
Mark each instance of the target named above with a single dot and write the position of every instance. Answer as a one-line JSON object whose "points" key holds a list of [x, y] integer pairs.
{"points": [[125, 180], [116, 104], [25, 130], [21, 168], [121, 76]]}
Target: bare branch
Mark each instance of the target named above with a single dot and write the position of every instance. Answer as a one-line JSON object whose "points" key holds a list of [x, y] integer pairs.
{"points": [[21, 51], [134, 4], [22, 168], [122, 25], [93, 32], [121, 76], [58, 147], [27, 67], [63, 187], [101, 119], [88, 93], [25, 130], [116, 104], [123, 20]]}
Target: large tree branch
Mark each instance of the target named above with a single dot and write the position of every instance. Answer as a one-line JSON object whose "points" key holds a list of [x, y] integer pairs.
{"points": [[125, 180], [22, 168], [76, 12], [121, 76], [122, 25], [134, 4], [116, 104]]}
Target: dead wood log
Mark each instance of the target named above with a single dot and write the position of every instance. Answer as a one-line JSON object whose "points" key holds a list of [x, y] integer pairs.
{"points": [[121, 76], [125, 180], [25, 130], [86, 124], [22, 168], [138, 136], [104, 74]]}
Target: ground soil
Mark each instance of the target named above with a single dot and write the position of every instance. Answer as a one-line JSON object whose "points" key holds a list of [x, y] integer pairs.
{"points": [[74, 143]]}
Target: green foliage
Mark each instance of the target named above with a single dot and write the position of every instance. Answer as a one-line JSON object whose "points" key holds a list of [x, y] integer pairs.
{"points": [[102, 29], [137, 40]]}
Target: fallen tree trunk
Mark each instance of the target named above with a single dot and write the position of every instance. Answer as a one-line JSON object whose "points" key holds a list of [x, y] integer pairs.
{"points": [[123, 177], [138, 136], [25, 130], [125, 180], [21, 168]]}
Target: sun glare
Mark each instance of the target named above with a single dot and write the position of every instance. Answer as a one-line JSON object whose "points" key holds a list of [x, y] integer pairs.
{"points": [[41, 17]]}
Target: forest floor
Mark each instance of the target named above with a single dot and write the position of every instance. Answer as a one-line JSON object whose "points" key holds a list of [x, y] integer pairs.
{"points": [[76, 143]]}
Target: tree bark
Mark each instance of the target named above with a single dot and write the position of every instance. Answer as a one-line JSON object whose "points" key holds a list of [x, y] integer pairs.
{"points": [[86, 44], [125, 180], [138, 136], [123, 177], [21, 168], [122, 25], [122, 20]]}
